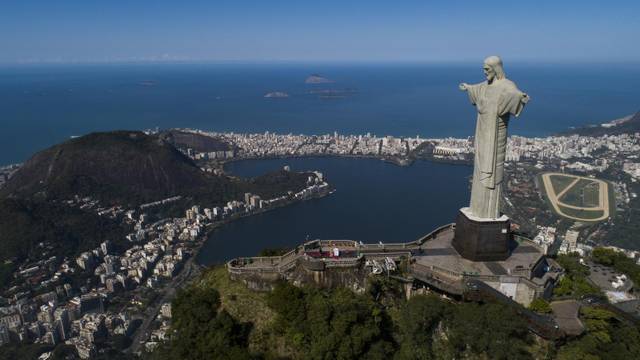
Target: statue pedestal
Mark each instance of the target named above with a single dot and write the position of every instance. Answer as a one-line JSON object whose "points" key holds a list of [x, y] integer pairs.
{"points": [[480, 239]]}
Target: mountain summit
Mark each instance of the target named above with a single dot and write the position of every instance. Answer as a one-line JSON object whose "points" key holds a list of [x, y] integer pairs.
{"points": [[127, 166]]}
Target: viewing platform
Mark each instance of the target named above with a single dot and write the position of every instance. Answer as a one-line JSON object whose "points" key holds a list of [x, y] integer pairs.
{"points": [[431, 260]]}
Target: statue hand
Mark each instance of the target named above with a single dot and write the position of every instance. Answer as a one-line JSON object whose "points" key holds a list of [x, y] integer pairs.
{"points": [[525, 98], [463, 86]]}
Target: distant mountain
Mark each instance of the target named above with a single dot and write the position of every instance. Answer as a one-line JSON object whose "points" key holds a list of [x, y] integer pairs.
{"points": [[626, 125], [120, 166], [317, 79]]}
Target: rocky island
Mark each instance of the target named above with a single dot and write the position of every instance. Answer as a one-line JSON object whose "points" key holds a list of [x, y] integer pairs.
{"points": [[276, 94], [317, 79]]}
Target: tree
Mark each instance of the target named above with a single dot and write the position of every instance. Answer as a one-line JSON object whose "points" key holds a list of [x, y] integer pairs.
{"points": [[571, 265], [597, 321], [618, 261], [604, 256], [491, 330], [336, 324], [202, 331], [606, 338], [574, 283], [417, 322], [289, 303], [540, 305]]}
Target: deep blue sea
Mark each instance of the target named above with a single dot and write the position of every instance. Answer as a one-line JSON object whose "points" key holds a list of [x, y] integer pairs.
{"points": [[44, 104]]}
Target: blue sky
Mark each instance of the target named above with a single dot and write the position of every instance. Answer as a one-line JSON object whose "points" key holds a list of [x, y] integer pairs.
{"points": [[328, 30]]}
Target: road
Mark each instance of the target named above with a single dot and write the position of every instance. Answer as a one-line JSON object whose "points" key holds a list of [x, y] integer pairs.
{"points": [[169, 290]]}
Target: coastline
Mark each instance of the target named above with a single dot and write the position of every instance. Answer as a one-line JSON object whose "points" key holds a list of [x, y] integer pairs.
{"points": [[211, 227], [192, 267], [395, 160]]}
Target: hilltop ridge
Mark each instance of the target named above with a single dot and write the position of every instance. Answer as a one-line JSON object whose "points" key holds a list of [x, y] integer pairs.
{"points": [[627, 125], [122, 166], [188, 139]]}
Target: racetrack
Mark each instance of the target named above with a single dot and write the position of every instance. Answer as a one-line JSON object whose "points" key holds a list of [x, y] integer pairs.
{"points": [[554, 199]]}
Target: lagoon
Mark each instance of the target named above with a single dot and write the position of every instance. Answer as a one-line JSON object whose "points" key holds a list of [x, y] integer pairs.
{"points": [[375, 201]]}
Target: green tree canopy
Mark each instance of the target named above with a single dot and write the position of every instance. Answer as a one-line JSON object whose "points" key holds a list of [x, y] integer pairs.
{"points": [[491, 330], [417, 323], [540, 305], [330, 325], [202, 331], [606, 338]]}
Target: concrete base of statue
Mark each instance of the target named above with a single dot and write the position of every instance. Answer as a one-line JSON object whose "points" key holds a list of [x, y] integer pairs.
{"points": [[480, 239]]}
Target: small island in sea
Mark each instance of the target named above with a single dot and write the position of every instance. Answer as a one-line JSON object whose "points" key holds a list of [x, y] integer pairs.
{"points": [[147, 83], [333, 93], [317, 79], [276, 94]]}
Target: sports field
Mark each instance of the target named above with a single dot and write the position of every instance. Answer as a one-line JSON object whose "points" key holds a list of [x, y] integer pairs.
{"points": [[577, 197]]}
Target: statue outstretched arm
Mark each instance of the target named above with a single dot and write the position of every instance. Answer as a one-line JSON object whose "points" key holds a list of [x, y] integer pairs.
{"points": [[464, 86], [473, 90], [512, 102]]}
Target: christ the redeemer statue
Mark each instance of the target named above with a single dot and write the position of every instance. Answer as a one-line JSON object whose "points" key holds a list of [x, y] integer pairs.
{"points": [[495, 99]]}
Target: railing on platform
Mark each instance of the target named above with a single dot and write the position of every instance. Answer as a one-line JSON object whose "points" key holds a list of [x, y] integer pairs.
{"points": [[442, 281], [288, 260]]}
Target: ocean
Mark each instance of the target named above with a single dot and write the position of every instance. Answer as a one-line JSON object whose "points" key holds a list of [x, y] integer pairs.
{"points": [[41, 105]]}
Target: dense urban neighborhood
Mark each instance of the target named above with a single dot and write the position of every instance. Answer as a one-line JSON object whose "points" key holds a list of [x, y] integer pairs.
{"points": [[119, 299]]}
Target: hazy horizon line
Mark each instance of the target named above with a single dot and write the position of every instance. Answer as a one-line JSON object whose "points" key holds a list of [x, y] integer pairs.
{"points": [[318, 61]]}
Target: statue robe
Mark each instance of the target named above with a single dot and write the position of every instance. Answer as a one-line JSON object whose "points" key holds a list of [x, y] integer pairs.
{"points": [[495, 103]]}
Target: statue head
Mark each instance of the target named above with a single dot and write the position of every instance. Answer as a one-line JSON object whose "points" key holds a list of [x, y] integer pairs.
{"points": [[493, 68]]}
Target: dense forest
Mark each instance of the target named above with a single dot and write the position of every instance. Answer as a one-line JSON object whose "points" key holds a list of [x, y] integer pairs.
{"points": [[310, 323]]}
